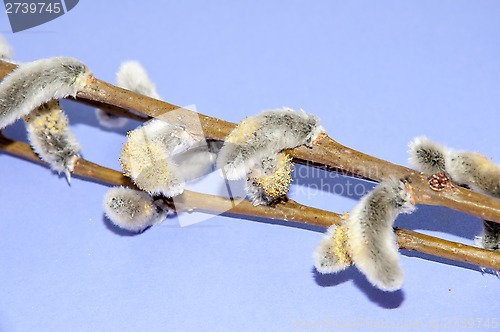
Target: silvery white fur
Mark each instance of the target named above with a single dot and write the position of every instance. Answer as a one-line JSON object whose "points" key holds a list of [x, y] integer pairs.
{"points": [[275, 130], [131, 76], [52, 139], [159, 157], [35, 83], [131, 209], [370, 237]]}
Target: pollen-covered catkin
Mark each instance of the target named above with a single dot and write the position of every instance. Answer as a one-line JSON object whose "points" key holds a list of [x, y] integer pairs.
{"points": [[263, 135], [131, 209], [269, 179], [145, 158], [51, 138], [332, 253], [33, 84], [366, 237], [149, 157]]}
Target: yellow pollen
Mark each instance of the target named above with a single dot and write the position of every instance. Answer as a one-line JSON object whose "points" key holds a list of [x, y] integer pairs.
{"points": [[341, 246], [243, 131], [276, 184]]}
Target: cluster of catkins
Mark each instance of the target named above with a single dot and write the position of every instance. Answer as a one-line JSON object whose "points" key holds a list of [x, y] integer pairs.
{"points": [[465, 168], [365, 237], [32, 91], [160, 157]]}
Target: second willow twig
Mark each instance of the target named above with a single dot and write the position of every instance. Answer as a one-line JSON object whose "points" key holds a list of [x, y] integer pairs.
{"points": [[289, 211]]}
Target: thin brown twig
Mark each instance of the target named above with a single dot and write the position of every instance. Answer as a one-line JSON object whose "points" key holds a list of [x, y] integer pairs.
{"points": [[6, 68], [289, 211], [117, 111]]}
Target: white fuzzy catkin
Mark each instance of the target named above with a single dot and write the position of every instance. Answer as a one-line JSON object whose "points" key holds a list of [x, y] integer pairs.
{"points": [[131, 209], [366, 237], [151, 157], [33, 84], [51, 138], [475, 170], [427, 156], [5, 49], [264, 135], [131, 76]]}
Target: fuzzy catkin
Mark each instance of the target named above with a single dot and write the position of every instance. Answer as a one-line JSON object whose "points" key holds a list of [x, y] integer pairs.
{"points": [[427, 156], [264, 135], [366, 237], [5, 50], [51, 138], [33, 84], [372, 242], [153, 157], [269, 180], [490, 239], [475, 170], [332, 253], [131, 209], [132, 76]]}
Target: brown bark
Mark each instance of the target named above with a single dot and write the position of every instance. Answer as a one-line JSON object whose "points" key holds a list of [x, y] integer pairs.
{"points": [[327, 153], [290, 211]]}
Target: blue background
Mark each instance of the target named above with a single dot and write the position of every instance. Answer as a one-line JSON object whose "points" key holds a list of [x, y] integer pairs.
{"points": [[377, 73]]}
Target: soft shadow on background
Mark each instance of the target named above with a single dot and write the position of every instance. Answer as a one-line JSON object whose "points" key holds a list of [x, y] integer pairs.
{"points": [[315, 179], [386, 300]]}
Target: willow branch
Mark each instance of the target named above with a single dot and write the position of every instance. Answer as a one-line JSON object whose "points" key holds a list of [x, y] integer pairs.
{"points": [[327, 154], [289, 211]]}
